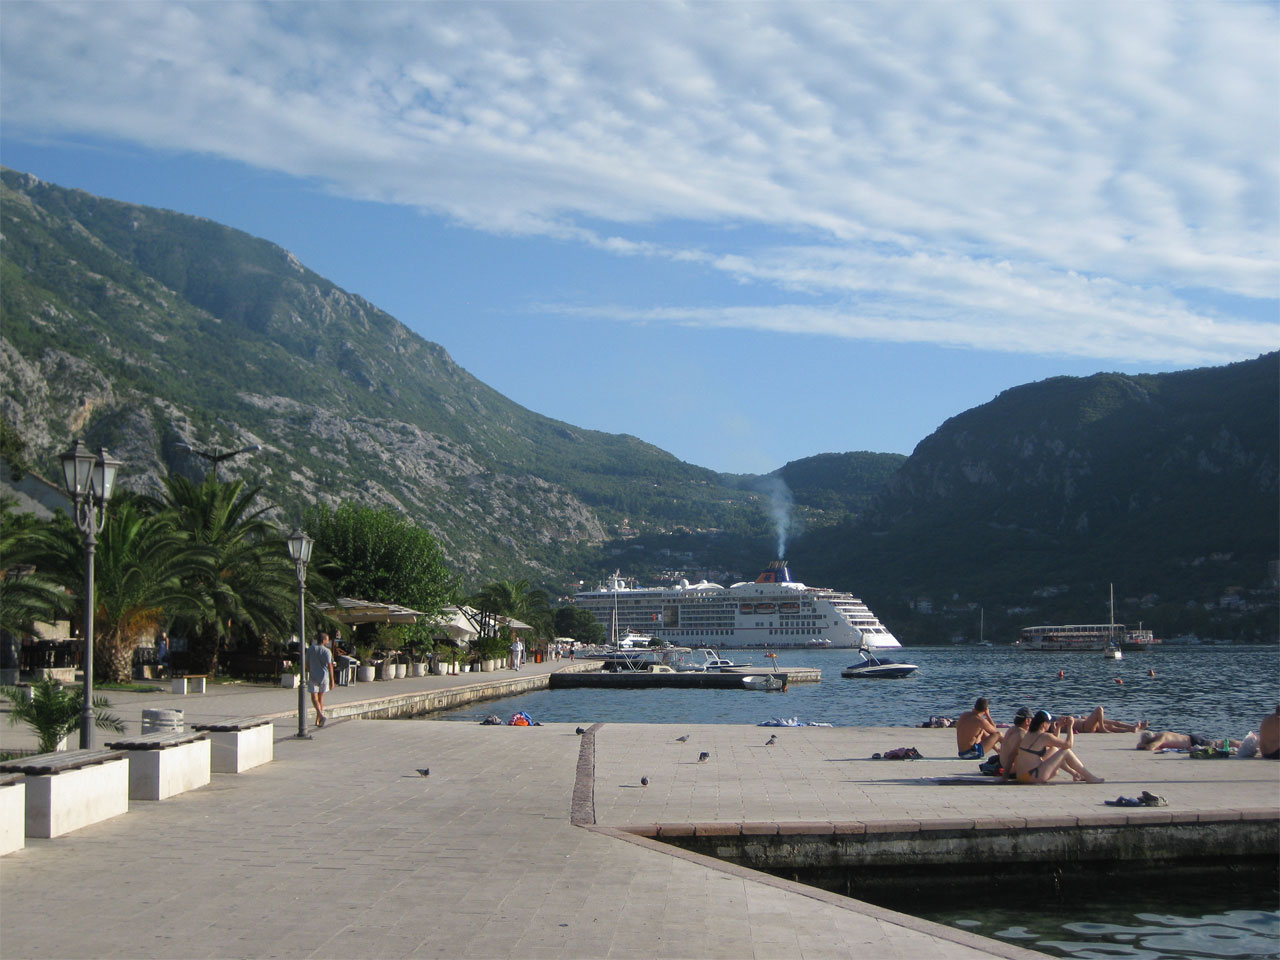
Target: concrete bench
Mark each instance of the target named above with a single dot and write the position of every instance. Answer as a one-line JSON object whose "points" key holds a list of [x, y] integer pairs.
{"points": [[239, 744], [164, 764], [13, 812], [194, 680], [71, 789]]}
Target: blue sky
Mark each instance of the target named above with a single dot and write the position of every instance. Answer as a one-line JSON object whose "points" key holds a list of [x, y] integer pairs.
{"points": [[744, 232]]}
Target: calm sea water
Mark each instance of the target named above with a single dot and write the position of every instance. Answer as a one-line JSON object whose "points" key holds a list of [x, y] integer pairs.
{"points": [[1216, 691]]}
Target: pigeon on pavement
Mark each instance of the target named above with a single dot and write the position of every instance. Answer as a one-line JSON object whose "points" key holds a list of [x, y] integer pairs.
{"points": [[703, 757], [771, 741], [644, 781], [424, 771], [682, 739]]}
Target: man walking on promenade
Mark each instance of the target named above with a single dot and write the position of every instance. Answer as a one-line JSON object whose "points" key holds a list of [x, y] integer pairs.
{"points": [[517, 653], [976, 732], [320, 674]]}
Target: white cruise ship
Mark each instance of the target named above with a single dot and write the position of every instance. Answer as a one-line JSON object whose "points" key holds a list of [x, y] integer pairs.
{"points": [[772, 612]]}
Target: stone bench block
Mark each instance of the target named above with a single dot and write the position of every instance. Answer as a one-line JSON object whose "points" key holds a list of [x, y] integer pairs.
{"points": [[59, 803], [159, 774], [235, 751], [13, 814]]}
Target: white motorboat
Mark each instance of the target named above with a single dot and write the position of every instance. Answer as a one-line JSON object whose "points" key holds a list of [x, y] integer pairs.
{"points": [[762, 682], [873, 667]]}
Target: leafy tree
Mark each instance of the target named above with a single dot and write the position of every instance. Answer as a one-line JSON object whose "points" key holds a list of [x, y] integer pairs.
{"points": [[579, 624], [142, 576], [381, 556], [55, 711], [247, 582]]}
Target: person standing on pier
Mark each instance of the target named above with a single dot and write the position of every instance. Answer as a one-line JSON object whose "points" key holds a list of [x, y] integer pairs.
{"points": [[517, 653]]}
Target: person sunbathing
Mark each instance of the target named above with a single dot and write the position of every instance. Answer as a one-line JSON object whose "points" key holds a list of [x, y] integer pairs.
{"points": [[1170, 740], [1097, 722], [1269, 736], [1041, 754]]}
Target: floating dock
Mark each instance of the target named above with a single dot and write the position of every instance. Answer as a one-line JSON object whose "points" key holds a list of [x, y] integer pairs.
{"points": [[690, 680]]}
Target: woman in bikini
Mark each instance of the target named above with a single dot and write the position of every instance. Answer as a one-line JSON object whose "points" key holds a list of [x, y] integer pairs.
{"points": [[1041, 754]]}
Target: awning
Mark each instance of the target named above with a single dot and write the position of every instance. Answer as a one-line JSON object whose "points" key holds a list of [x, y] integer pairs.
{"points": [[350, 611], [457, 624]]}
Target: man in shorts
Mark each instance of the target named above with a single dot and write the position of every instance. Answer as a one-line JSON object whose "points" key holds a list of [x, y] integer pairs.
{"points": [[976, 732], [320, 674]]}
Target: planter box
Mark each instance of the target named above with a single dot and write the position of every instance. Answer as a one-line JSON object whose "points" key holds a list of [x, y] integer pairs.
{"points": [[419, 669], [387, 671], [402, 671], [365, 674], [289, 681]]}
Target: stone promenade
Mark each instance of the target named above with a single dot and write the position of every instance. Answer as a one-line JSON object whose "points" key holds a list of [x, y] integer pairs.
{"points": [[514, 846]]}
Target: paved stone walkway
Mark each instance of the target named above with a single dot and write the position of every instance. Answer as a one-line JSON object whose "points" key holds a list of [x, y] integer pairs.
{"points": [[340, 849]]}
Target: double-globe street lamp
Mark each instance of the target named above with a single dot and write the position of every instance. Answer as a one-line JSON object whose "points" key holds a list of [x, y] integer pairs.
{"points": [[216, 456], [90, 480], [300, 550]]}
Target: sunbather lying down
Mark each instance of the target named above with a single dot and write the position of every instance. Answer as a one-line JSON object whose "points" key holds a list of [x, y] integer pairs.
{"points": [[1169, 740], [1099, 722]]}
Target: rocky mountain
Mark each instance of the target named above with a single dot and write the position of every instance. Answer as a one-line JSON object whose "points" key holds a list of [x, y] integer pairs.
{"points": [[144, 329]]}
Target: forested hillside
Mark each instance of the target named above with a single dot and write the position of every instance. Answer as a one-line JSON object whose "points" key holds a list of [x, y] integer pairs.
{"points": [[1165, 485]]}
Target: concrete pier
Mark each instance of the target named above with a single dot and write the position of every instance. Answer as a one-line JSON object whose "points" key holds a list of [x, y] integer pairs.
{"points": [[536, 842]]}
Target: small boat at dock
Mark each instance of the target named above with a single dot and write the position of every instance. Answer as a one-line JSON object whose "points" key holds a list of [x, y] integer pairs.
{"points": [[762, 682]]}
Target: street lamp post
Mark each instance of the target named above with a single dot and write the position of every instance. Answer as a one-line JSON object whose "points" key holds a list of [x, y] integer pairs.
{"points": [[90, 481], [215, 456], [300, 550]]}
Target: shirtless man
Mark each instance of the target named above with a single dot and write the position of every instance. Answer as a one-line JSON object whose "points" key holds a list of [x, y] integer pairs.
{"points": [[1097, 722], [976, 732], [1009, 742], [1269, 736], [1150, 740]]}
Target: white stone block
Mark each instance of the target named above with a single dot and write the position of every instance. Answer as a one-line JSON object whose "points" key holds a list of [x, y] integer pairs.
{"points": [[159, 774], [13, 817], [237, 750], [58, 803]]}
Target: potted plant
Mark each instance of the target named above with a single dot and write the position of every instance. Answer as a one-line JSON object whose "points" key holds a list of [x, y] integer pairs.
{"points": [[54, 712], [366, 672]]}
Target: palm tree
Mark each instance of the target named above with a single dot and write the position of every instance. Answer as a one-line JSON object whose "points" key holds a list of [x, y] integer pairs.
{"points": [[518, 599], [142, 569], [27, 594], [249, 582], [55, 712]]}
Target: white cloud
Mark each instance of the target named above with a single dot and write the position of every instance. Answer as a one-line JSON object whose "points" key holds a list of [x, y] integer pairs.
{"points": [[1029, 177]]}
